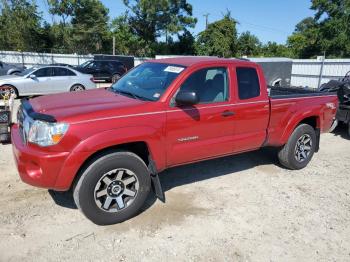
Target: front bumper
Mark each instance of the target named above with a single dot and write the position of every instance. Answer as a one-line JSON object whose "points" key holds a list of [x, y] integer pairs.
{"points": [[35, 166]]}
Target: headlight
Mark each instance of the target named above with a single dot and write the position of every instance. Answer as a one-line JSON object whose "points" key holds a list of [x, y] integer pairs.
{"points": [[46, 134]]}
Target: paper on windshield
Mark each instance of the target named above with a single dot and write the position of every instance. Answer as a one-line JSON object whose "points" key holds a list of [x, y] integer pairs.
{"points": [[174, 69]]}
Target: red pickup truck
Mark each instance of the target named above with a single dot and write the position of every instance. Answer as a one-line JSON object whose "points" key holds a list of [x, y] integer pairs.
{"points": [[109, 145]]}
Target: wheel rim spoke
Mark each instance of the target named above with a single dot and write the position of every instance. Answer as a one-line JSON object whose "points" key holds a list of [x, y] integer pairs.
{"points": [[120, 175], [106, 180], [307, 148], [107, 202], [303, 154], [120, 202], [129, 180], [306, 139], [129, 192], [103, 192]]}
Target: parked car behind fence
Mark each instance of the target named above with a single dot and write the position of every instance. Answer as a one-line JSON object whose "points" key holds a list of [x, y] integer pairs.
{"points": [[10, 69], [103, 70], [47, 80]]}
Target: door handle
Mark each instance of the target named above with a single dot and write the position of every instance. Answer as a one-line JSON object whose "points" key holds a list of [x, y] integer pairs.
{"points": [[227, 113]]}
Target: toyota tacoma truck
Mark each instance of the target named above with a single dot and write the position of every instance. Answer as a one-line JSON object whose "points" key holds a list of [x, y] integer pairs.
{"points": [[109, 145]]}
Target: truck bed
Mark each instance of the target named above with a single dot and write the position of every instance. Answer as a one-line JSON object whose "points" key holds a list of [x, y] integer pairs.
{"points": [[292, 92]]}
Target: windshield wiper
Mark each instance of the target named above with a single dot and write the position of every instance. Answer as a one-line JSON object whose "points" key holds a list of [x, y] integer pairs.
{"points": [[132, 95]]}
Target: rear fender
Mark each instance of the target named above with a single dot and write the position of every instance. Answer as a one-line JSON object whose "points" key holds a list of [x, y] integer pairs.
{"points": [[295, 121]]}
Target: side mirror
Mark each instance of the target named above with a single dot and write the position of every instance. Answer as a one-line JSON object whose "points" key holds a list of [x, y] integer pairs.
{"points": [[186, 98], [32, 76]]}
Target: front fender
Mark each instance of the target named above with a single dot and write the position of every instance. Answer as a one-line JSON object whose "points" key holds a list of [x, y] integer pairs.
{"points": [[89, 146]]}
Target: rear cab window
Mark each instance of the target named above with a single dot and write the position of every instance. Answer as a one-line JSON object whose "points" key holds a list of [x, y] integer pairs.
{"points": [[247, 83]]}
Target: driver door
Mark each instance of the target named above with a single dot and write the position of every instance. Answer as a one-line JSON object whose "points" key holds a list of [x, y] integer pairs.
{"points": [[204, 130], [41, 83]]}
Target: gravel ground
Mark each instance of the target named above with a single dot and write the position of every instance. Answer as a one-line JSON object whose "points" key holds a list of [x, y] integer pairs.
{"points": [[240, 208]]}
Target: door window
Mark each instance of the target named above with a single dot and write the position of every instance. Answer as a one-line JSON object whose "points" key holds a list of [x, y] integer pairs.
{"points": [[43, 72], [248, 83], [59, 71], [210, 85]]}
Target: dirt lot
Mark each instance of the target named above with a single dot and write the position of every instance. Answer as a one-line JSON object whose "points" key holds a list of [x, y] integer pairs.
{"points": [[241, 208]]}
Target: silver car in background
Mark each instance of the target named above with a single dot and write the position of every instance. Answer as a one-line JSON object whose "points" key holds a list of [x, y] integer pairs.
{"points": [[47, 80], [10, 69]]}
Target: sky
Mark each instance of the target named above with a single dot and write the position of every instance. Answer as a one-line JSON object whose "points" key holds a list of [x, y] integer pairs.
{"points": [[269, 20]]}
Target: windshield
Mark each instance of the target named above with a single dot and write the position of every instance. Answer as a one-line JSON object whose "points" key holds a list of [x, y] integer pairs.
{"points": [[27, 71], [147, 81], [85, 64]]}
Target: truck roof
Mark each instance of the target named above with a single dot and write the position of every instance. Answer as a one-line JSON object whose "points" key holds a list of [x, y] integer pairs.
{"points": [[192, 60]]}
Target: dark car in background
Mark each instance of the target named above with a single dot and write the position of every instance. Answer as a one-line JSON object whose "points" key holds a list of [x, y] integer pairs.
{"points": [[10, 69], [103, 70]]}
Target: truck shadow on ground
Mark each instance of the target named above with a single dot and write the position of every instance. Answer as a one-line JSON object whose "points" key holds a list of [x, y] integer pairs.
{"points": [[192, 173]]}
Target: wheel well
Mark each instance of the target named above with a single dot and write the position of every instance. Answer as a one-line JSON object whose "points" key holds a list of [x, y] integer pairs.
{"points": [[312, 121], [77, 84], [139, 148]]}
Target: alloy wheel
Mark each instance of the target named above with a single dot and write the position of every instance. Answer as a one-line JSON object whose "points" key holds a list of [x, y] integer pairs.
{"points": [[303, 148], [116, 190]]}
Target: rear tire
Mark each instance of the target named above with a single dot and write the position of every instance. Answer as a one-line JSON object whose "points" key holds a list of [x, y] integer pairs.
{"points": [[77, 87], [113, 188], [298, 151]]}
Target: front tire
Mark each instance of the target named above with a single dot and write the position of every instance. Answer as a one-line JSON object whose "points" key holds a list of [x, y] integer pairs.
{"points": [[113, 188], [298, 151], [13, 91]]}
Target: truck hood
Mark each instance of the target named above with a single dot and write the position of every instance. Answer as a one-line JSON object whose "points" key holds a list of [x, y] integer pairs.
{"points": [[84, 105]]}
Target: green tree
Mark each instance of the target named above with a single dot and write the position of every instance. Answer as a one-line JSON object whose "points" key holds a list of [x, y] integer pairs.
{"points": [[219, 39], [61, 31], [328, 30], [127, 42], [90, 32], [151, 19], [62, 8], [248, 45], [272, 49], [306, 40], [20, 26], [333, 17]]}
